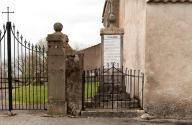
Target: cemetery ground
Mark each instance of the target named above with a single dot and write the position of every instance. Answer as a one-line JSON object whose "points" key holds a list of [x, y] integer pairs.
{"points": [[26, 118]]}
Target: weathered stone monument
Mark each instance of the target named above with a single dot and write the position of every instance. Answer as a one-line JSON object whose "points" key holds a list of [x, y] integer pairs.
{"points": [[112, 89], [57, 104], [112, 43]]}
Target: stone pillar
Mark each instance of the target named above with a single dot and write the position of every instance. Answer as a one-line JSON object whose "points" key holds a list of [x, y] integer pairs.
{"points": [[56, 72]]}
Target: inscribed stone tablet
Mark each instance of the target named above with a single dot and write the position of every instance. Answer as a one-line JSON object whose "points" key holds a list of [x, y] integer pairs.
{"points": [[112, 50]]}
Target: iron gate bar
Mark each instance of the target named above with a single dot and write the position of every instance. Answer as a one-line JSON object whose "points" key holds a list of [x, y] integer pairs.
{"points": [[14, 65], [5, 75], [1, 68], [29, 75], [143, 76], [95, 84], [36, 73], [83, 90], [9, 64], [112, 84], [25, 42]]}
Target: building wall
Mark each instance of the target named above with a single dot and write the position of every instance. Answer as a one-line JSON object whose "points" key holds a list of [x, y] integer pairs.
{"points": [[92, 57], [168, 87], [133, 20]]}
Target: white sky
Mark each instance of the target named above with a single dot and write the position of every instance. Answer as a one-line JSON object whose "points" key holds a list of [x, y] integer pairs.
{"points": [[81, 19]]}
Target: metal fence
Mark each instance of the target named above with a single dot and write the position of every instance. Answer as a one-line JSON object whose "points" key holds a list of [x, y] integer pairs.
{"points": [[112, 88], [23, 72]]}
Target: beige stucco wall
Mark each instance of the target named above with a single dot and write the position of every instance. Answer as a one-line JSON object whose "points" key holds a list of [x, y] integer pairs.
{"points": [[168, 87], [132, 19]]}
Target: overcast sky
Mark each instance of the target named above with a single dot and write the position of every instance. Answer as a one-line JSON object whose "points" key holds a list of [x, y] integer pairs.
{"points": [[81, 19]]}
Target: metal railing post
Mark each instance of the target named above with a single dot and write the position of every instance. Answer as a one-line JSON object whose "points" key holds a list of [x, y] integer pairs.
{"points": [[143, 77], [83, 90], [9, 64], [113, 67]]}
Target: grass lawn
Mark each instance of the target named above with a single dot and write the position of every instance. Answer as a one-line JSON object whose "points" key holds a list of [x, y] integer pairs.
{"points": [[90, 90], [33, 94], [30, 94]]}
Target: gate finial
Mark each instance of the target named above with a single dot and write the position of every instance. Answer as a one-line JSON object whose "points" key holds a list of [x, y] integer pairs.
{"points": [[8, 12], [58, 27]]}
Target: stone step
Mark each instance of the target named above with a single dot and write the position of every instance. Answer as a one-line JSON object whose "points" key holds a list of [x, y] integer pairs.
{"points": [[114, 97], [130, 113], [109, 88], [120, 104], [114, 104]]}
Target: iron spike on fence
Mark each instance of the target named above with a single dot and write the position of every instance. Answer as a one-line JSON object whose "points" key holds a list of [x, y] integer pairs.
{"points": [[21, 37], [32, 47], [13, 27], [25, 41], [17, 34], [39, 48], [4, 27], [29, 45]]}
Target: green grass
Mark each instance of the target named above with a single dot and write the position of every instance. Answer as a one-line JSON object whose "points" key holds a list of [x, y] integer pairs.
{"points": [[30, 94], [90, 90]]}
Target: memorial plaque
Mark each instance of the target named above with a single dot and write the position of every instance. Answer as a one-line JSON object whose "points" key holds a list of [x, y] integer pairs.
{"points": [[112, 51]]}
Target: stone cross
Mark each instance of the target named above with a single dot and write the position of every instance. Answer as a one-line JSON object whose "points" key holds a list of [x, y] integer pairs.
{"points": [[8, 12]]}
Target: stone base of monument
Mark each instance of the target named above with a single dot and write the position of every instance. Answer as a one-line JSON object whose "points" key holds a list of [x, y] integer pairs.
{"points": [[113, 96], [112, 113], [128, 104]]}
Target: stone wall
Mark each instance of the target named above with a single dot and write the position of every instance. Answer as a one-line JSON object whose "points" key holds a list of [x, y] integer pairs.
{"points": [[168, 87], [92, 57], [74, 68]]}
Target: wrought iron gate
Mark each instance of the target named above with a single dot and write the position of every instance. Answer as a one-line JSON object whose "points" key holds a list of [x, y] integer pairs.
{"points": [[23, 72], [112, 88]]}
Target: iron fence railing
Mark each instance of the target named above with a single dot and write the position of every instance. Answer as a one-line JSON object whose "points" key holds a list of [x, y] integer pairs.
{"points": [[112, 88]]}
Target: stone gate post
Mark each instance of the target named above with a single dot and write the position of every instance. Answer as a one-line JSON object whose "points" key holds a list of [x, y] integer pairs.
{"points": [[56, 72]]}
